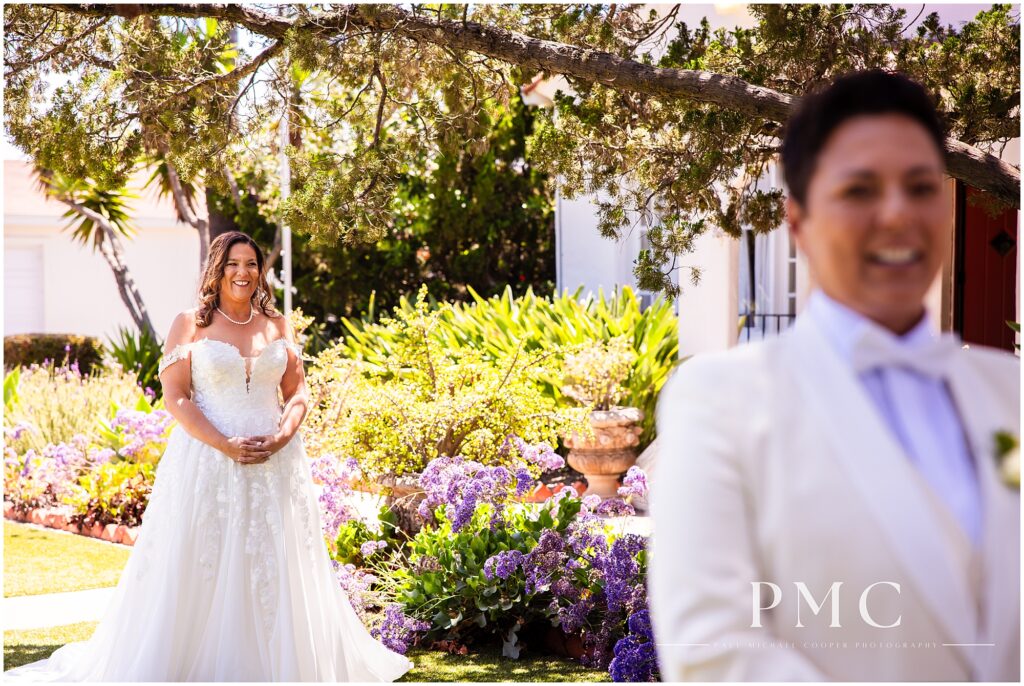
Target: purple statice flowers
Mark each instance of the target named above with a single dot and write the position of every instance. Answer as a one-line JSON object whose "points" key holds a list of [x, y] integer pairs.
{"points": [[620, 570], [544, 561], [334, 478], [370, 547], [356, 584], [503, 565], [47, 476], [634, 484], [540, 454], [615, 507], [635, 657], [141, 431], [397, 630], [458, 486]]}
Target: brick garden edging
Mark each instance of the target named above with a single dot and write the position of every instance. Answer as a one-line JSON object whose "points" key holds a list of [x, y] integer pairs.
{"points": [[58, 518]]}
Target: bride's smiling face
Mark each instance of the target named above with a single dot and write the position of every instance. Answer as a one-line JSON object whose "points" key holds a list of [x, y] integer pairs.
{"points": [[241, 274]]}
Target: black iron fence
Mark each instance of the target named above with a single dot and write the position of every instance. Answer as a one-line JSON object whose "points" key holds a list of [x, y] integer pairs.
{"points": [[756, 326]]}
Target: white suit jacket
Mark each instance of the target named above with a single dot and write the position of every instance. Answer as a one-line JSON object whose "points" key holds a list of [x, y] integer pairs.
{"points": [[775, 468]]}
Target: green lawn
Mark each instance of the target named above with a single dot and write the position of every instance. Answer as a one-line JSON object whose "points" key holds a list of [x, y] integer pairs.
{"points": [[29, 645], [487, 664], [39, 561], [22, 647]]}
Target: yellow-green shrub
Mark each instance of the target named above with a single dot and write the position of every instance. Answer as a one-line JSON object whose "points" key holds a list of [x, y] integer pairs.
{"points": [[501, 325], [428, 399], [53, 404]]}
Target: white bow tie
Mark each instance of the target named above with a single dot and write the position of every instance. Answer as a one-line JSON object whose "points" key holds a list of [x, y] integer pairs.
{"points": [[876, 349]]}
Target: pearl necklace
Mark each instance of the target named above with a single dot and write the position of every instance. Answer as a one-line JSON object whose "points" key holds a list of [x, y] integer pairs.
{"points": [[252, 313]]}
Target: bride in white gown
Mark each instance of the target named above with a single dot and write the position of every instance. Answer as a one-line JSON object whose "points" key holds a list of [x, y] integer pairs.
{"points": [[230, 579]]}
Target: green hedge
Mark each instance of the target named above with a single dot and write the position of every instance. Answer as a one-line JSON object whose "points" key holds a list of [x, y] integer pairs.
{"points": [[32, 348]]}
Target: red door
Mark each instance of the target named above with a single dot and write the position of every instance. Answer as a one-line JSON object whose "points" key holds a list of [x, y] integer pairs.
{"points": [[986, 270]]}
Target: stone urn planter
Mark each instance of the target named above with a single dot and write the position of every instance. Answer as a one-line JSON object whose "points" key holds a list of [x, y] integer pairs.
{"points": [[609, 452]]}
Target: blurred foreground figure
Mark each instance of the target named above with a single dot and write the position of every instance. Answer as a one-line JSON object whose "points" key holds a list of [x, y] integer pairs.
{"points": [[832, 504]]}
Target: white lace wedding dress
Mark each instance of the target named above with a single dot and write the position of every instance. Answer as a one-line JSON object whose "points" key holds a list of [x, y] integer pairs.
{"points": [[230, 578]]}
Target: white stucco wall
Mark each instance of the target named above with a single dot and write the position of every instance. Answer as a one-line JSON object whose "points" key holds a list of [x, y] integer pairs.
{"points": [[54, 285], [583, 257], [708, 312]]}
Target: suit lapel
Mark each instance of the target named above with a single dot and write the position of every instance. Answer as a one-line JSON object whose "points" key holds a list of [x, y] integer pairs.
{"points": [[880, 471], [1001, 564]]}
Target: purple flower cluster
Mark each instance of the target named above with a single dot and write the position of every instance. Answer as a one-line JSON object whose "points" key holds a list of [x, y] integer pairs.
{"points": [[544, 561], [503, 565], [562, 494], [458, 486], [635, 657], [44, 478], [586, 536], [397, 630], [13, 433], [356, 584], [540, 454], [142, 432], [621, 573], [370, 547], [334, 478], [67, 372], [634, 484], [615, 507]]}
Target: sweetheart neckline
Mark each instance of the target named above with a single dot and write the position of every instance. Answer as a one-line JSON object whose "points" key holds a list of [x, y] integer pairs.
{"points": [[237, 350], [247, 370]]}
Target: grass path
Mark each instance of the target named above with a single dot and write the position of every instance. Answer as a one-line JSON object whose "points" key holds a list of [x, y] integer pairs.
{"points": [[22, 647], [40, 561]]}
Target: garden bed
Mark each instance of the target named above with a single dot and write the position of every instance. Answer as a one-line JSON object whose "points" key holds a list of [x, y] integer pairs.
{"points": [[59, 518]]}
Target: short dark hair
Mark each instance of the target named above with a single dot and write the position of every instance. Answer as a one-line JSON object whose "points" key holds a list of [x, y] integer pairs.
{"points": [[818, 114]]}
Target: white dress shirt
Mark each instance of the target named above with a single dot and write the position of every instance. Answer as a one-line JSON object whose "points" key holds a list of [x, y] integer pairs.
{"points": [[917, 408]]}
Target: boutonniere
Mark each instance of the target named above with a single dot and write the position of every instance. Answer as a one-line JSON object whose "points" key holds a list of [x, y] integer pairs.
{"points": [[1008, 457]]}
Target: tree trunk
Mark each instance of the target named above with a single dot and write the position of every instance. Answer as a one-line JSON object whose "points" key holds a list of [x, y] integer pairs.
{"points": [[113, 252], [201, 225], [218, 221]]}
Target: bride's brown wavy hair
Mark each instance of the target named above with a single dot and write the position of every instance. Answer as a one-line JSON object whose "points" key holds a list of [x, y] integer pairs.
{"points": [[209, 288]]}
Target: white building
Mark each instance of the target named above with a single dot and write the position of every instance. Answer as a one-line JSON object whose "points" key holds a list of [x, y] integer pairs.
{"points": [[53, 284]]}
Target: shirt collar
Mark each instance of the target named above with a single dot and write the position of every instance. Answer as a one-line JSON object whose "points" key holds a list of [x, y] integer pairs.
{"points": [[844, 326]]}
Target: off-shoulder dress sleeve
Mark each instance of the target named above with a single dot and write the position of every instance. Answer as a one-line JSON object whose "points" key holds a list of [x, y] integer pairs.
{"points": [[295, 347], [180, 352]]}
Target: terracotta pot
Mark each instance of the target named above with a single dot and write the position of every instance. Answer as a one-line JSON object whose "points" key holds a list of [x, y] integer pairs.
{"points": [[609, 452], [557, 642]]}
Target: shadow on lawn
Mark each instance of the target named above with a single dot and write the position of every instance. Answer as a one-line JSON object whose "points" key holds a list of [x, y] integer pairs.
{"points": [[21, 654], [487, 664]]}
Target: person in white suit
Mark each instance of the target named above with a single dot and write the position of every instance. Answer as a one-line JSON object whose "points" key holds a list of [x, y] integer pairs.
{"points": [[829, 504]]}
